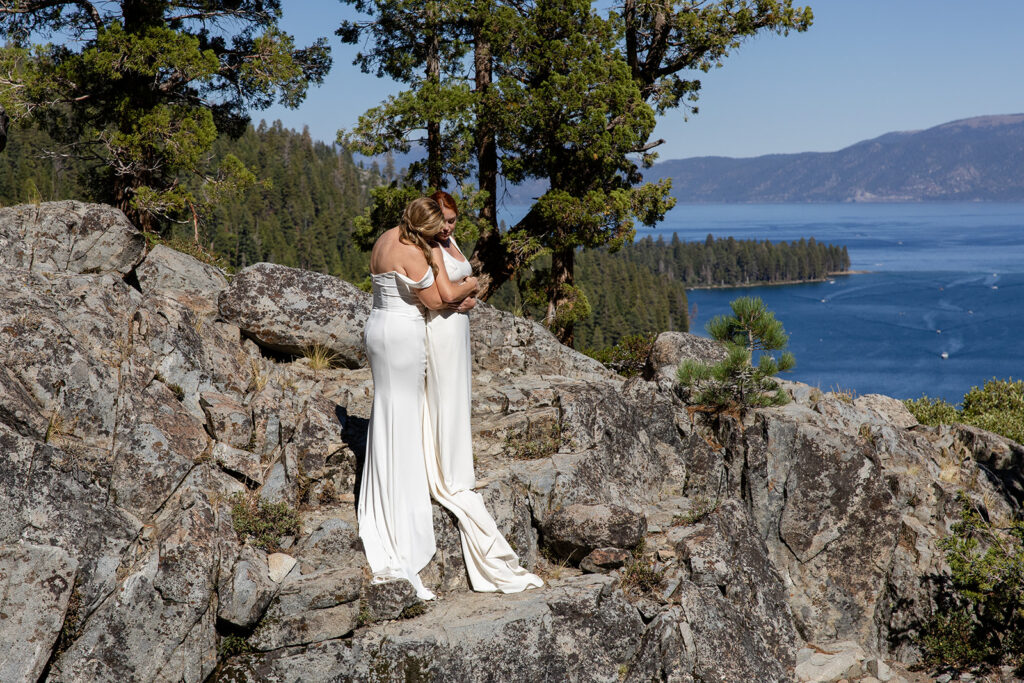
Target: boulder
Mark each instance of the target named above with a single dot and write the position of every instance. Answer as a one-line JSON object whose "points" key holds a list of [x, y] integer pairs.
{"points": [[69, 236], [322, 589], [830, 662], [672, 348], [508, 346], [577, 530], [46, 499], [156, 444], [241, 464], [604, 560], [290, 311], [245, 590], [65, 338], [279, 630], [389, 599], [182, 277], [36, 583], [159, 622], [724, 553], [227, 420]]}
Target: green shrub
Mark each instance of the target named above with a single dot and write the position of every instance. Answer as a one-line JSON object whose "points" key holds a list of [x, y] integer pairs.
{"points": [[639, 575], [952, 640], [700, 511], [985, 621], [932, 411], [414, 610], [628, 357], [735, 380], [997, 407], [264, 522], [233, 645]]}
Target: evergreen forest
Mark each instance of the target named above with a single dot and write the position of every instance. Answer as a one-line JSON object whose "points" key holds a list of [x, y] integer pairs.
{"points": [[641, 288], [299, 213], [728, 262]]}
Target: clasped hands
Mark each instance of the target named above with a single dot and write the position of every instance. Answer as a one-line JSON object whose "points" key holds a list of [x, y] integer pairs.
{"points": [[469, 302]]}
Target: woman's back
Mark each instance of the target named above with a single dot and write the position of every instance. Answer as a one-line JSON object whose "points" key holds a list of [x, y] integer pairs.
{"points": [[395, 292]]}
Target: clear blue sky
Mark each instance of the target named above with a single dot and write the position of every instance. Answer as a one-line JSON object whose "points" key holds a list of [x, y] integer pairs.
{"points": [[866, 67]]}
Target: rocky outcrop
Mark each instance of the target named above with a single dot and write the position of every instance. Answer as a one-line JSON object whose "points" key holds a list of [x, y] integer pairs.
{"points": [[146, 404], [672, 348], [577, 530], [69, 237], [37, 585], [292, 311]]}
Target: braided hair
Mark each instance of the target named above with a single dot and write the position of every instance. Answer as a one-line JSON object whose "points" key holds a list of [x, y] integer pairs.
{"points": [[421, 220]]}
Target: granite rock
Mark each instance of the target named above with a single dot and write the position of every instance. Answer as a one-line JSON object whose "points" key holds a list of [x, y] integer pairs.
{"points": [[69, 237], [36, 584], [290, 310]]}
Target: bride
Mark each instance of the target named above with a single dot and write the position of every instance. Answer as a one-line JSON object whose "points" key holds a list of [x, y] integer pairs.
{"points": [[490, 561], [395, 521]]}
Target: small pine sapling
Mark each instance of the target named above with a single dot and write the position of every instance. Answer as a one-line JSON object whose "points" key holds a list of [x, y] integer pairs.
{"points": [[736, 380]]}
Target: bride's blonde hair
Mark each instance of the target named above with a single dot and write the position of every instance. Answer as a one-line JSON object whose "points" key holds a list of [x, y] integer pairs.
{"points": [[421, 220]]}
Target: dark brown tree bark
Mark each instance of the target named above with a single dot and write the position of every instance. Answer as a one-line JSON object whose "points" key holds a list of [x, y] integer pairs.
{"points": [[491, 260], [434, 174], [561, 274]]}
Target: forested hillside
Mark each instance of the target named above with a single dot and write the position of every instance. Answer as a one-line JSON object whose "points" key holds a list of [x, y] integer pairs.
{"points": [[625, 298], [300, 214]]}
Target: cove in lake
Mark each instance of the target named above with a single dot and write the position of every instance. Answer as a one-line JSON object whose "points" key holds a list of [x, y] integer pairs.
{"points": [[946, 279]]}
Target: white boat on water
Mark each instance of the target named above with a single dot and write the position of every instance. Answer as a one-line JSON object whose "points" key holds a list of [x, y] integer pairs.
{"points": [[943, 355]]}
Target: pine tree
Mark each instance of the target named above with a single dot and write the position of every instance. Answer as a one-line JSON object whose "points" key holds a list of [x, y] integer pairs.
{"points": [[736, 380], [536, 68], [148, 87]]}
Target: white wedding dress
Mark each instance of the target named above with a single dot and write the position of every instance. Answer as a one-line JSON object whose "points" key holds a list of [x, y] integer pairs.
{"points": [[490, 561], [395, 520]]}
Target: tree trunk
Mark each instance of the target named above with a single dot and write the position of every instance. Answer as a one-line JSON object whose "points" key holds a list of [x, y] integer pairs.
{"points": [[434, 175], [486, 147], [561, 274], [123, 191], [491, 260], [4, 122]]}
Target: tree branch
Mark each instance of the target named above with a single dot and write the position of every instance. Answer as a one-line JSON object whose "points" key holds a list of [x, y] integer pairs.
{"points": [[649, 145], [32, 7]]}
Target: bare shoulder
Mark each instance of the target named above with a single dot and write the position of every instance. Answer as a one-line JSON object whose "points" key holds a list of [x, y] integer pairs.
{"points": [[382, 257], [412, 260]]}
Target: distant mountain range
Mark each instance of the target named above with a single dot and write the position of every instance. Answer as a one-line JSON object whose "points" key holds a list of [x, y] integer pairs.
{"points": [[976, 159]]}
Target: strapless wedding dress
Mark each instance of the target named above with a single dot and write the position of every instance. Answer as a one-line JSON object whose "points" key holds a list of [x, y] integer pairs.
{"points": [[491, 563], [395, 521]]}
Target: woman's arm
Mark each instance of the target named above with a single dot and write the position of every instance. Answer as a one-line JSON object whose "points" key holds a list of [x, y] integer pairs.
{"points": [[464, 306], [411, 260], [451, 292]]}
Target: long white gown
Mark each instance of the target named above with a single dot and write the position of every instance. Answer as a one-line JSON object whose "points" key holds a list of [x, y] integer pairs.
{"points": [[490, 561], [395, 521]]}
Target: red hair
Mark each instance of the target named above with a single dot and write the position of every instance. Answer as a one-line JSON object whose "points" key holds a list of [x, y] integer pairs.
{"points": [[445, 200]]}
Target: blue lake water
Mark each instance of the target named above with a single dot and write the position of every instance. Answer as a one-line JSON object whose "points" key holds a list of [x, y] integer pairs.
{"points": [[945, 279]]}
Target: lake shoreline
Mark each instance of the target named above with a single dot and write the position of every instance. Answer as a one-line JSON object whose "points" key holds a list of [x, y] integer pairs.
{"points": [[779, 283]]}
